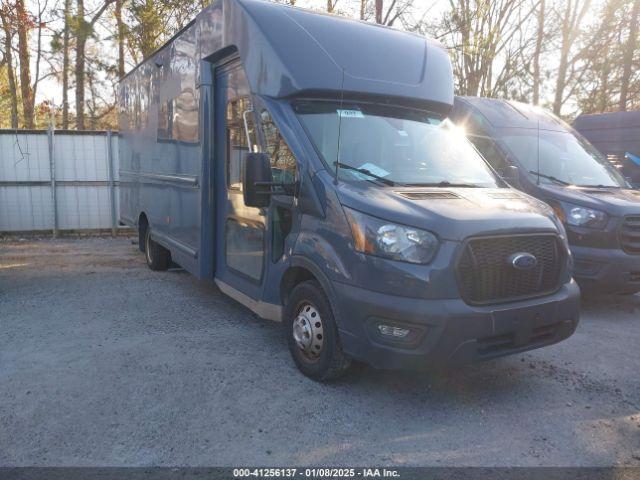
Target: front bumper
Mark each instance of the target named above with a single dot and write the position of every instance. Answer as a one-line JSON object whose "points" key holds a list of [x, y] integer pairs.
{"points": [[608, 270], [450, 332]]}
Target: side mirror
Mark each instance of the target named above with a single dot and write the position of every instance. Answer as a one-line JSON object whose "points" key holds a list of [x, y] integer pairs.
{"points": [[511, 175], [256, 180]]}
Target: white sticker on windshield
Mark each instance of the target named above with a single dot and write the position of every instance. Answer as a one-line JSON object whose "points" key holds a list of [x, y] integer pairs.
{"points": [[402, 133], [376, 170], [350, 113]]}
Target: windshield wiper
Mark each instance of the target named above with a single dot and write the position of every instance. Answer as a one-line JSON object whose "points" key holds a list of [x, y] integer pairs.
{"points": [[444, 183], [599, 186], [549, 177], [364, 171]]}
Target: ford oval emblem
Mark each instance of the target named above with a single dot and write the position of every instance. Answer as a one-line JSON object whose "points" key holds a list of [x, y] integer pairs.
{"points": [[523, 261]]}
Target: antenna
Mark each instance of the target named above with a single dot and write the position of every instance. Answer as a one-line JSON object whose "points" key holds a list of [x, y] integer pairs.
{"points": [[337, 162]]}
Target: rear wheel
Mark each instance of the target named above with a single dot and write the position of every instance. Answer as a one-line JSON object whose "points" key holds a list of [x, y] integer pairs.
{"points": [[312, 334], [158, 257]]}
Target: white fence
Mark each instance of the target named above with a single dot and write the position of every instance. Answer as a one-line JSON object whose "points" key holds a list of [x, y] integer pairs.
{"points": [[58, 180]]}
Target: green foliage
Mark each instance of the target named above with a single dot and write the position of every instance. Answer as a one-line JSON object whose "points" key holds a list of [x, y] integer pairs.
{"points": [[151, 23]]}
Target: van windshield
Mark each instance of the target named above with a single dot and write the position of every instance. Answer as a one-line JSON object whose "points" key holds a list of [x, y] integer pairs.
{"points": [[564, 158], [392, 145]]}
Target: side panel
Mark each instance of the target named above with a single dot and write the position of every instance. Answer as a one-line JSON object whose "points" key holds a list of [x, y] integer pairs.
{"points": [[160, 152]]}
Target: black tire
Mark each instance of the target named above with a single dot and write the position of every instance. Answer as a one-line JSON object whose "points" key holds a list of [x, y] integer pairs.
{"points": [[142, 232], [328, 362], [158, 257]]}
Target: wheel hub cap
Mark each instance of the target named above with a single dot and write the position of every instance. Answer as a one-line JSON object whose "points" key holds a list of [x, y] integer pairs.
{"points": [[308, 330]]}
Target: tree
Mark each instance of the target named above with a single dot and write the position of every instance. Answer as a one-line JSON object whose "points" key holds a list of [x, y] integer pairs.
{"points": [[587, 51], [538, 52], [42, 8], [152, 23], [148, 26], [574, 13], [84, 29], [601, 59], [487, 43], [629, 50], [121, 38], [66, 47], [23, 24], [8, 62], [395, 10], [384, 12]]}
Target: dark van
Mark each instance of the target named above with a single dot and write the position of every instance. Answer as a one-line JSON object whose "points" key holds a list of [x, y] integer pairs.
{"points": [[617, 136], [276, 152], [600, 211]]}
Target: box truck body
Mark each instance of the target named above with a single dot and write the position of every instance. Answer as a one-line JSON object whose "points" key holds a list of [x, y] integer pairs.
{"points": [[305, 164]]}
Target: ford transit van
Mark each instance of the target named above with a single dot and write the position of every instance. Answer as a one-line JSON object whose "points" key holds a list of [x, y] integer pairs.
{"points": [[599, 210], [305, 164]]}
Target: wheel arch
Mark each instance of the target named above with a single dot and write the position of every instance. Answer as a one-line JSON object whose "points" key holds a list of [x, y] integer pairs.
{"points": [[302, 269]]}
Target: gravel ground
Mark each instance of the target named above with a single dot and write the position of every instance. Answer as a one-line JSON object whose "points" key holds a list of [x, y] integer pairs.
{"points": [[103, 362]]}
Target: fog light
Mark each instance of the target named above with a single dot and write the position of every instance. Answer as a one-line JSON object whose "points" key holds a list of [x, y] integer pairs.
{"points": [[396, 332]]}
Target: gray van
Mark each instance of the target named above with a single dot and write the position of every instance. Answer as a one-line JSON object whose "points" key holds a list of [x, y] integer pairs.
{"points": [[617, 136], [600, 211], [304, 163]]}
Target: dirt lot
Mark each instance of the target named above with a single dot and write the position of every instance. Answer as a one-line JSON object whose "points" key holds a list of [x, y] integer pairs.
{"points": [[103, 362]]}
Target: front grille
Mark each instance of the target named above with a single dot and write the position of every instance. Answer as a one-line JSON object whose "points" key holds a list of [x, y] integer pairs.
{"points": [[630, 235], [487, 276]]}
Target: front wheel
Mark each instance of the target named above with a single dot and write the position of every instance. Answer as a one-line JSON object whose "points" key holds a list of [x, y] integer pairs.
{"points": [[312, 334], [158, 257]]}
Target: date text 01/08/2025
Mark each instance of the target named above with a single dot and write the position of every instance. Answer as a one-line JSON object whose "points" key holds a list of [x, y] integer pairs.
{"points": [[314, 473]]}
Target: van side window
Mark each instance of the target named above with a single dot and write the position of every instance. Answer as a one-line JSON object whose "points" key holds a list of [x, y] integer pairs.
{"points": [[490, 152], [237, 110], [283, 162]]}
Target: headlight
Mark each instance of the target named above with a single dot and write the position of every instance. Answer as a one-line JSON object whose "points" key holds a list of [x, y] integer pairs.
{"points": [[581, 216], [377, 237]]}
